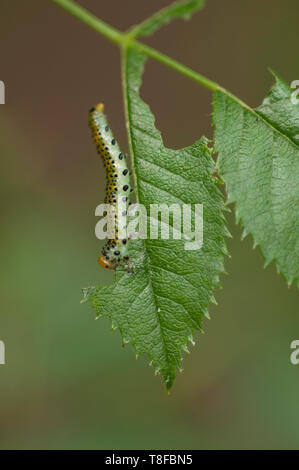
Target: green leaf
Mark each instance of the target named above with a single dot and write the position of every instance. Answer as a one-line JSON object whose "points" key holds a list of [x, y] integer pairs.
{"points": [[159, 305], [181, 9], [259, 162], [280, 110]]}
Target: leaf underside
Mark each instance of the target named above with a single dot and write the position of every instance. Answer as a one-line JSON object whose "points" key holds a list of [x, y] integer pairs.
{"points": [[158, 307], [258, 159]]}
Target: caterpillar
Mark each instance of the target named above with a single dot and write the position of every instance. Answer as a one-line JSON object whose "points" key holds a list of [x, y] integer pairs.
{"points": [[115, 251]]}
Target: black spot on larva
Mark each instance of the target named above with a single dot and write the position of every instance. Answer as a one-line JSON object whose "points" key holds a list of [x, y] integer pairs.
{"points": [[117, 253], [126, 187], [92, 110], [131, 189], [113, 141], [106, 148], [124, 242], [107, 128], [125, 199], [125, 172], [126, 257], [120, 156]]}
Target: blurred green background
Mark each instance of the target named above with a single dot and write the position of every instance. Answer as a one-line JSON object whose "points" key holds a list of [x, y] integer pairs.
{"points": [[68, 383]]}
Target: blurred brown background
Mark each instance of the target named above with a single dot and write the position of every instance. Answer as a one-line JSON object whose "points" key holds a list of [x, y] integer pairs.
{"points": [[68, 383]]}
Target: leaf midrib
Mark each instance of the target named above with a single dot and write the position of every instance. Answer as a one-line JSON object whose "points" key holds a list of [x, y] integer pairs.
{"points": [[257, 115], [132, 151]]}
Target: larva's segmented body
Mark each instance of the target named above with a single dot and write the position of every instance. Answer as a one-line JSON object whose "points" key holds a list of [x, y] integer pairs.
{"points": [[118, 188]]}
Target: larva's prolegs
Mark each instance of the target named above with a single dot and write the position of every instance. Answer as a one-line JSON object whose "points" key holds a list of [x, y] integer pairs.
{"points": [[118, 188]]}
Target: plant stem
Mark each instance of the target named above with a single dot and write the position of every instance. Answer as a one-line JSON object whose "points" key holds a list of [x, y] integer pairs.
{"points": [[91, 20], [182, 69], [122, 38]]}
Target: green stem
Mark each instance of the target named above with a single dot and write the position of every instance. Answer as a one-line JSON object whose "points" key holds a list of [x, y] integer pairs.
{"points": [[182, 69], [91, 20], [125, 39], [121, 38]]}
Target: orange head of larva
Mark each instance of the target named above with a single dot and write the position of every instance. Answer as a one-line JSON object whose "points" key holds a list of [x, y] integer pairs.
{"points": [[105, 263], [99, 107]]}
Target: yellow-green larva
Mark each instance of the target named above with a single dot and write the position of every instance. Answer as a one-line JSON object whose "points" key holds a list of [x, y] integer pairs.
{"points": [[118, 188]]}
